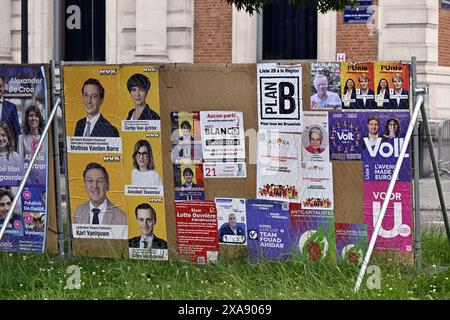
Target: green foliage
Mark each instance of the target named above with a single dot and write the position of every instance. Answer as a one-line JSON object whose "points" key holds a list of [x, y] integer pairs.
{"points": [[323, 6]]}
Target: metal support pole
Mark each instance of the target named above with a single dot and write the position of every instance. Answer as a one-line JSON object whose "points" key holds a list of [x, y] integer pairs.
{"points": [[417, 221], [435, 170], [57, 27], [24, 31], [30, 167], [388, 193]]}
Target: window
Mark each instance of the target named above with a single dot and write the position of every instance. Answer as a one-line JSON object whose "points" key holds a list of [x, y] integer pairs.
{"points": [[84, 35], [288, 33]]}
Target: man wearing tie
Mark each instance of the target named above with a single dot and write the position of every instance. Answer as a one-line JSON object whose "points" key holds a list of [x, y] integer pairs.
{"points": [[146, 219], [8, 113], [98, 210], [94, 125]]}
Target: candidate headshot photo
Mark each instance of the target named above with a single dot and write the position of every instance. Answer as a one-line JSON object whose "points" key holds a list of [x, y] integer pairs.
{"points": [[383, 94], [399, 96], [98, 209], [8, 155], [323, 98], [6, 199], [349, 97], [315, 137], [231, 228], [365, 98], [392, 128], [146, 219], [138, 86], [94, 124], [188, 176], [373, 125], [144, 173], [9, 114], [186, 136]]}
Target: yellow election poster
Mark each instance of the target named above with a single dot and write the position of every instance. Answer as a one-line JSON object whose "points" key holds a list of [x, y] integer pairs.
{"points": [[114, 156]]}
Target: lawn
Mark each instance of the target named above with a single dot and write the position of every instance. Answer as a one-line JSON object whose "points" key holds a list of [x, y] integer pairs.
{"points": [[32, 276]]}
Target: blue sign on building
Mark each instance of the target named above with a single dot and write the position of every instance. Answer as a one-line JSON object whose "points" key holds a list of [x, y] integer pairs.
{"points": [[359, 14]]}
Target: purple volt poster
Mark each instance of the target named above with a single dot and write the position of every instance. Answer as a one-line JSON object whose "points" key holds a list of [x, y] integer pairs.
{"points": [[312, 234], [268, 228], [396, 229], [345, 136], [383, 136], [351, 242]]}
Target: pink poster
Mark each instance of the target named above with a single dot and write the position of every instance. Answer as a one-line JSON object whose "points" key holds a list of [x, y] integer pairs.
{"points": [[396, 229]]}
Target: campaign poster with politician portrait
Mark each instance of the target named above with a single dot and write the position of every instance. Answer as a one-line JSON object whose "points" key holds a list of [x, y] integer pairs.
{"points": [[223, 144], [345, 136], [231, 218], [325, 86], [315, 140], [268, 230], [279, 95], [186, 137], [278, 155], [383, 136], [357, 85], [396, 233], [196, 226], [24, 107], [392, 85], [312, 234], [351, 242]]}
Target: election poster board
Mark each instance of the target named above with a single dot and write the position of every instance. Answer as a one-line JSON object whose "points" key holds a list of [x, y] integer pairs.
{"points": [[278, 170], [25, 104], [196, 227], [325, 86], [279, 93], [351, 242], [315, 139], [232, 222], [396, 229], [316, 191], [383, 140], [109, 180], [268, 226], [223, 144], [345, 136], [392, 85], [357, 85], [313, 234]]}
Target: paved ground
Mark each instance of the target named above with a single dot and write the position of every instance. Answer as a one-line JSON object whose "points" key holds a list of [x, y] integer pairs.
{"points": [[430, 208]]}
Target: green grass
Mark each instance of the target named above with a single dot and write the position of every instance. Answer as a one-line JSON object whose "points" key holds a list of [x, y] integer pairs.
{"points": [[44, 277]]}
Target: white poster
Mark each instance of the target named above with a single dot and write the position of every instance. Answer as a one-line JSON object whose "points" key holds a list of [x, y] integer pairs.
{"points": [[279, 97], [316, 185], [315, 139], [223, 144], [278, 166], [231, 220]]}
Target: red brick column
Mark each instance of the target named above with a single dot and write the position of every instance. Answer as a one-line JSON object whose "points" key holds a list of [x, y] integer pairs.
{"points": [[444, 37]]}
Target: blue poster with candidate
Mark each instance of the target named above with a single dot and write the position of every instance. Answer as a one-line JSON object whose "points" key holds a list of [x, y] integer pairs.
{"points": [[268, 226], [24, 107], [345, 136], [383, 136]]}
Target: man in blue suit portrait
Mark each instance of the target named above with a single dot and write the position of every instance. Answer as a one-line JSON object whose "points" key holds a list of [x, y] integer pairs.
{"points": [[94, 125], [231, 228], [8, 113]]}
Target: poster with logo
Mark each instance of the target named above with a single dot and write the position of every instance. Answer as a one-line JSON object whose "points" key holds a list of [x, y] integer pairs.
{"points": [[316, 185], [383, 138], [24, 107], [345, 136], [279, 94], [197, 236], [313, 235], [392, 85], [277, 166], [223, 144], [315, 140], [268, 230], [188, 181], [106, 105], [325, 86], [351, 242], [232, 223], [186, 137], [397, 226], [357, 85]]}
